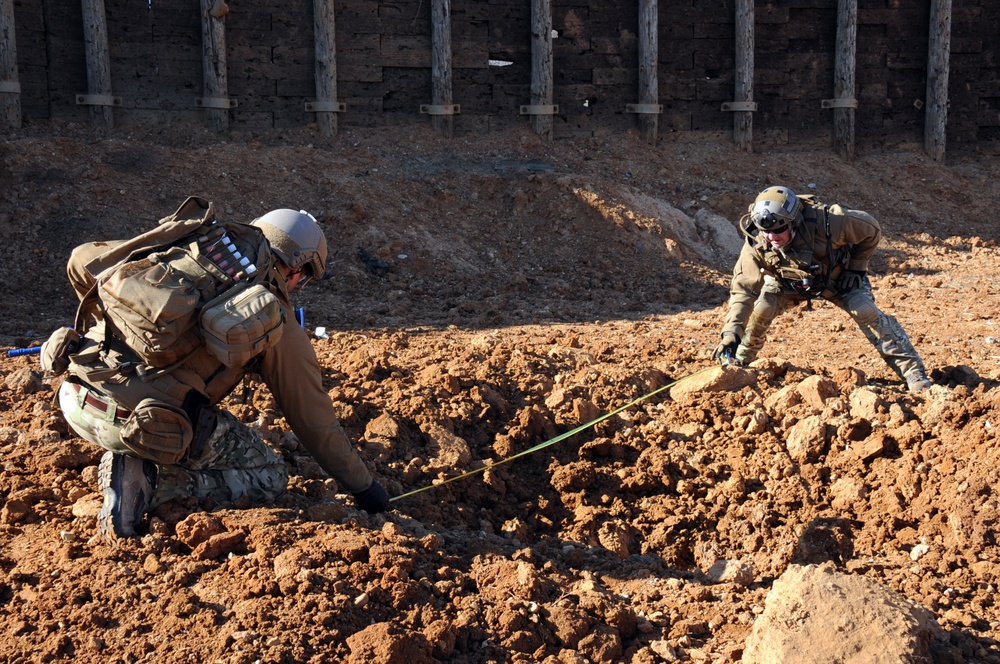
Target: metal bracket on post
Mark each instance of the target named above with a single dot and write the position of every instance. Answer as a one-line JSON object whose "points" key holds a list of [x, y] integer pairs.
{"points": [[215, 102], [843, 102], [441, 109], [10, 87], [539, 109], [98, 100], [739, 106], [326, 107], [644, 108]]}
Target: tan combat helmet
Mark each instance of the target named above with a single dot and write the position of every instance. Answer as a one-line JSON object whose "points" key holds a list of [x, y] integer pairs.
{"points": [[775, 208], [296, 239]]}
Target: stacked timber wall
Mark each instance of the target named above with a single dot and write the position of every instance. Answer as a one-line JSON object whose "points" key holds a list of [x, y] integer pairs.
{"points": [[383, 60]]}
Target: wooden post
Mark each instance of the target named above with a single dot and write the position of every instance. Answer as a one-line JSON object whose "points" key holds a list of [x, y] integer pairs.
{"points": [[326, 65], [541, 65], [938, 52], [843, 78], [95, 40], [10, 88], [213, 58], [743, 119], [648, 54], [441, 65]]}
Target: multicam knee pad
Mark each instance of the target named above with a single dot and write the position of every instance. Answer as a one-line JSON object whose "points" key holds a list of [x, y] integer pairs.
{"points": [[883, 331], [771, 302], [236, 462]]}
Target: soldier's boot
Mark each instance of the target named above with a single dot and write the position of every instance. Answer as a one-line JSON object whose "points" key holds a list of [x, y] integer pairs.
{"points": [[917, 381], [128, 485]]}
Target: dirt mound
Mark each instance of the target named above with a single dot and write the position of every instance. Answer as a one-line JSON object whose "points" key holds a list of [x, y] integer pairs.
{"points": [[486, 296]]}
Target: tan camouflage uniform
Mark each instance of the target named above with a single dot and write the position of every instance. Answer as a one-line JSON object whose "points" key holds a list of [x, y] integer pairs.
{"points": [[767, 281]]}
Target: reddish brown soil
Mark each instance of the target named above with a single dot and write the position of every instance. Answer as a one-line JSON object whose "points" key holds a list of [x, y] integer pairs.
{"points": [[487, 295]]}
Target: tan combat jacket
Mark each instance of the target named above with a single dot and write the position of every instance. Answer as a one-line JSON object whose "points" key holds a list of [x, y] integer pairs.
{"points": [[289, 369], [826, 241]]}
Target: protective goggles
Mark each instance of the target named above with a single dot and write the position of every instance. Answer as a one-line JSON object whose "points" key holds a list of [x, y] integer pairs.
{"points": [[771, 223]]}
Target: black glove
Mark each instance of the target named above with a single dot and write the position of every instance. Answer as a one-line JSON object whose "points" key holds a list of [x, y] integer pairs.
{"points": [[850, 280], [726, 351], [373, 500]]}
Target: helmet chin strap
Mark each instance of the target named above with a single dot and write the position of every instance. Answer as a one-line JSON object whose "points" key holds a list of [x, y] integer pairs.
{"points": [[287, 274]]}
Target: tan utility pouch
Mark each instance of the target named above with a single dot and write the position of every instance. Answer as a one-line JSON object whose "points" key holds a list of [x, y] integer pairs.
{"points": [[153, 305], [238, 327], [55, 352], [158, 432]]}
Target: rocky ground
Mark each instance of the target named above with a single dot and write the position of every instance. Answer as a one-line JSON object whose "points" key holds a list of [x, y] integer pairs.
{"points": [[487, 295]]}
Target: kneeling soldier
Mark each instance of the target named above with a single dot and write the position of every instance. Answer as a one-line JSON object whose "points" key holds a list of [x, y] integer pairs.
{"points": [[146, 391]]}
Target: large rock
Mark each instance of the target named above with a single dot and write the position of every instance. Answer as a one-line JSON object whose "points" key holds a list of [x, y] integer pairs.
{"points": [[388, 644], [449, 450], [806, 440], [815, 391], [715, 379], [707, 236], [24, 381], [866, 404], [817, 615]]}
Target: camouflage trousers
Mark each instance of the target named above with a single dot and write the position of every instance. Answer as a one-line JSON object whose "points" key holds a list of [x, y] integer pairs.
{"points": [[236, 462], [882, 330]]}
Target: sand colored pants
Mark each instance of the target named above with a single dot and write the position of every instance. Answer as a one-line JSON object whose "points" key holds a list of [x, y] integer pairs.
{"points": [[882, 330], [236, 461]]}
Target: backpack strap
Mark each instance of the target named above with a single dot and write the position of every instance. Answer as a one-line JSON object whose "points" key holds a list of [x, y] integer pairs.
{"points": [[834, 270]]}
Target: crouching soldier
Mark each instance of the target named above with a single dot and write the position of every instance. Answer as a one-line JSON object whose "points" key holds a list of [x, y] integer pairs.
{"points": [[798, 249], [169, 323]]}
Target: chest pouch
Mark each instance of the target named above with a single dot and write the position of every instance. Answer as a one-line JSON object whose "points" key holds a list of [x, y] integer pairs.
{"points": [[809, 282], [239, 326]]}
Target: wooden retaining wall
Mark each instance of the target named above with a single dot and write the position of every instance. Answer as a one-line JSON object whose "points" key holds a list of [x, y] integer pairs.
{"points": [[384, 52]]}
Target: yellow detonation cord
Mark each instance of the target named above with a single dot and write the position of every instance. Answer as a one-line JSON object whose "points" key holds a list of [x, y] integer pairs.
{"points": [[551, 441]]}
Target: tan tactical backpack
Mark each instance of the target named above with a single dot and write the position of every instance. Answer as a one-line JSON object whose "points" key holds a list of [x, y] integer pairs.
{"points": [[192, 281]]}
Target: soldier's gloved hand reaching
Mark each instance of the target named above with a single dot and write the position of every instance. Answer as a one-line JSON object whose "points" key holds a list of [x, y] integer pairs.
{"points": [[850, 280], [373, 500], [725, 352]]}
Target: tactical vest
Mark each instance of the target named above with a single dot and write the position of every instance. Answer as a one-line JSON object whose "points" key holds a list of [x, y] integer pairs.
{"points": [[808, 263]]}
